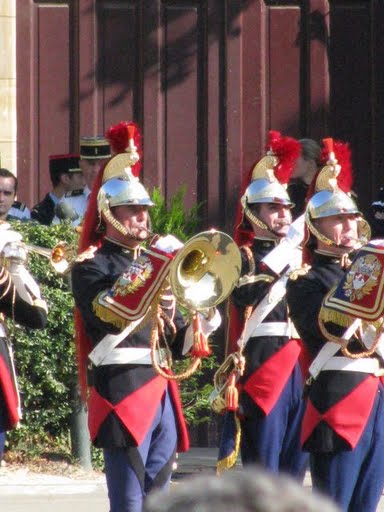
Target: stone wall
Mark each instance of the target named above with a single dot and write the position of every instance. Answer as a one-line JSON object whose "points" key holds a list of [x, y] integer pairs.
{"points": [[8, 84]]}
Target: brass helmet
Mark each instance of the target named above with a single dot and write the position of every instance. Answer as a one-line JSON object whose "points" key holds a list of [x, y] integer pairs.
{"points": [[270, 177], [331, 194], [120, 185]]}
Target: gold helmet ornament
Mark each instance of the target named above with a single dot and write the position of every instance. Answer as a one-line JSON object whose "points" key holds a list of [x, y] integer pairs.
{"points": [[116, 184], [330, 192], [270, 177], [120, 181]]}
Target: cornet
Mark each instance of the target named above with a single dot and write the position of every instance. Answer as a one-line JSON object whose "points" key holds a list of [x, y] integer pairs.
{"points": [[61, 256]]}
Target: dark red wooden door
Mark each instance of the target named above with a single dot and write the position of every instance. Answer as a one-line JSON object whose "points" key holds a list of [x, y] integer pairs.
{"points": [[205, 79]]}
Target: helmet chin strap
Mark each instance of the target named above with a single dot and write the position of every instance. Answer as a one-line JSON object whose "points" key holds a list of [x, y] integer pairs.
{"points": [[260, 224], [120, 228]]}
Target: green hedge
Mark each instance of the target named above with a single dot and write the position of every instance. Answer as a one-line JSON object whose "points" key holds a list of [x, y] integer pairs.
{"points": [[45, 359]]}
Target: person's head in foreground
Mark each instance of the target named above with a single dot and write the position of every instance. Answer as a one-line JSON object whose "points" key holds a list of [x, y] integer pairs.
{"points": [[251, 490]]}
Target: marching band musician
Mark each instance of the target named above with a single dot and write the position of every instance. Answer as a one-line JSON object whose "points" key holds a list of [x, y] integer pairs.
{"points": [[135, 413], [270, 406], [342, 425], [20, 301]]}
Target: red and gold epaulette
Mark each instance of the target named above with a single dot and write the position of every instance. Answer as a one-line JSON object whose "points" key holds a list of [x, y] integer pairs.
{"points": [[88, 254]]}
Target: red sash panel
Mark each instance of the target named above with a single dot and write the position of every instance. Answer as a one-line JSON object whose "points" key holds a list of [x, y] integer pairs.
{"points": [[267, 382], [9, 394], [136, 411], [348, 417], [183, 436]]}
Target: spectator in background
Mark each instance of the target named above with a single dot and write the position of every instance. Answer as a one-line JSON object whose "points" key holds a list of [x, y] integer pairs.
{"points": [[94, 152], [306, 167], [66, 176], [10, 209], [252, 490]]}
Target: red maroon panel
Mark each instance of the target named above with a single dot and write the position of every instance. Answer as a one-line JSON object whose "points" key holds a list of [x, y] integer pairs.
{"points": [[119, 68], [351, 85], [43, 91], [52, 109], [180, 74], [318, 67], [283, 63]]}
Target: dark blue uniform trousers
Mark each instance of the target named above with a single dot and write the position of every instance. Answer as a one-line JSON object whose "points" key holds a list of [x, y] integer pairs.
{"points": [[355, 479], [132, 472], [3, 433], [274, 440]]}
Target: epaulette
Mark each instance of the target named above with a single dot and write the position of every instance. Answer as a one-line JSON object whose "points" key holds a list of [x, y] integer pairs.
{"points": [[251, 260], [19, 205], [74, 193], [299, 272], [88, 254], [247, 279]]}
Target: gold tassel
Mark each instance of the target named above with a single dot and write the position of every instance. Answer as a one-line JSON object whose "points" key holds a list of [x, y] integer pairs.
{"points": [[228, 463], [232, 394]]}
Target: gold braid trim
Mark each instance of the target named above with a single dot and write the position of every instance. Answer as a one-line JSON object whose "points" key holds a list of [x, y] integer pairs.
{"points": [[7, 282], [247, 279], [158, 327], [118, 321], [230, 461], [337, 317], [251, 259], [344, 343]]}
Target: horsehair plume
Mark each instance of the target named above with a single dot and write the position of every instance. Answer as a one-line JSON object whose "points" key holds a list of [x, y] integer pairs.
{"points": [[118, 137], [343, 155], [273, 135], [287, 150]]}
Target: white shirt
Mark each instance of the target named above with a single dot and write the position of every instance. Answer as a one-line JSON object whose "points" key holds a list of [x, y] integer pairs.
{"points": [[76, 200]]}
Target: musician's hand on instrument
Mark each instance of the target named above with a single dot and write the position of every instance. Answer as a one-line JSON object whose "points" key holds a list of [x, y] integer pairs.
{"points": [[15, 253], [7, 236], [168, 244], [210, 324]]}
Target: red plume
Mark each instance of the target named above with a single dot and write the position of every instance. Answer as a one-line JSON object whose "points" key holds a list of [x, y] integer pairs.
{"points": [[287, 151], [243, 236], [273, 136], [118, 137], [343, 156]]}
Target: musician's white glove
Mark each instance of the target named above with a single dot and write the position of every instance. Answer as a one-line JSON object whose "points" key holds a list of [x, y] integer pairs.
{"points": [[8, 236], [168, 244], [15, 253], [295, 233], [369, 337], [287, 252], [207, 326]]}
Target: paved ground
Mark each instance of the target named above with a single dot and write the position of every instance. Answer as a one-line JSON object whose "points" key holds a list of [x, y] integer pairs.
{"points": [[22, 491]]}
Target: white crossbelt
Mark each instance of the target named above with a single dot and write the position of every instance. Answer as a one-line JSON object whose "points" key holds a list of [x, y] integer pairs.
{"points": [[132, 355], [110, 341], [272, 329], [364, 365]]}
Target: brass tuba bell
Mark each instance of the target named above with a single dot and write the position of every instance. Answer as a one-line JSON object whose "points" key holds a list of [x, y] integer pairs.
{"points": [[205, 270]]}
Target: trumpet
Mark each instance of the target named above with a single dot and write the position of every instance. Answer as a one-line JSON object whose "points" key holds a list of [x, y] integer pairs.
{"points": [[61, 256]]}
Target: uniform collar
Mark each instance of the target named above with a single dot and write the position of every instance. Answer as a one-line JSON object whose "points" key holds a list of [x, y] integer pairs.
{"points": [[326, 257], [265, 243], [124, 248]]}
